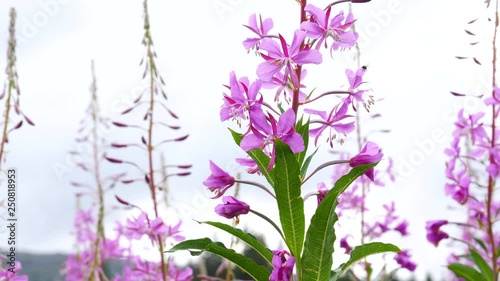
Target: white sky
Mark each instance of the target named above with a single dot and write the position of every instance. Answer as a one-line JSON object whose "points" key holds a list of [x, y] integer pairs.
{"points": [[409, 56]]}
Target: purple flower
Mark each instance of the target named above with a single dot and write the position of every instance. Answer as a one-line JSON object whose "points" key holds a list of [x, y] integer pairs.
{"points": [[402, 228], [434, 234], [403, 259], [495, 97], [11, 274], [219, 181], [470, 126], [243, 98], [250, 163], [331, 122], [459, 188], [232, 207], [283, 264], [264, 134], [321, 27], [370, 153], [284, 56], [286, 86], [261, 29], [322, 191], [355, 80], [345, 245]]}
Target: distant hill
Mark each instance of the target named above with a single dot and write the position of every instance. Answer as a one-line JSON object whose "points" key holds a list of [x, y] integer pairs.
{"points": [[41, 267]]}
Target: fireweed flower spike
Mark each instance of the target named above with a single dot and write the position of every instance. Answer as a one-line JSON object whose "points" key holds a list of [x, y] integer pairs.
{"points": [[285, 56], [283, 264], [264, 134], [232, 207], [434, 233], [219, 181], [261, 29], [370, 153]]}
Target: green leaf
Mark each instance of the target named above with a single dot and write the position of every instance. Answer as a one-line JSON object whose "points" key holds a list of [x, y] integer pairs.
{"points": [[466, 272], [290, 204], [245, 237], [197, 246], [318, 247], [303, 131], [481, 244], [258, 156], [305, 166], [361, 252], [483, 266]]}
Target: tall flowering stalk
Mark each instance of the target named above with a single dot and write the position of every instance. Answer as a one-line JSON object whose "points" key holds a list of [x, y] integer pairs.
{"points": [[11, 91], [153, 102], [276, 140], [10, 122], [88, 262], [472, 171]]}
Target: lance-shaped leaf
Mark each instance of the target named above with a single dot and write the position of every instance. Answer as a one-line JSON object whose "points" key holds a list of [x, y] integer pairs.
{"points": [[258, 156], [361, 252], [290, 204], [466, 272], [318, 247], [245, 237], [198, 246], [482, 265]]}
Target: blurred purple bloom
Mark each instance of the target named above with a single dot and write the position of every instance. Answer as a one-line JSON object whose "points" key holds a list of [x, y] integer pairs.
{"points": [[283, 264], [282, 55], [458, 189], [8, 275], [219, 181], [470, 125], [434, 234], [370, 153], [322, 191], [403, 259], [264, 134], [232, 207], [261, 29], [495, 97], [355, 80], [402, 228], [345, 245]]}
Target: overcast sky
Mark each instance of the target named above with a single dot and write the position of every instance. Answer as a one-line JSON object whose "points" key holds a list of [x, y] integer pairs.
{"points": [[407, 45]]}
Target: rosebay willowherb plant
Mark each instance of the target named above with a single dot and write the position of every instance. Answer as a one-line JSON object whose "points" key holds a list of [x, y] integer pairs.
{"points": [[276, 141], [151, 107], [11, 94], [93, 249], [473, 169]]}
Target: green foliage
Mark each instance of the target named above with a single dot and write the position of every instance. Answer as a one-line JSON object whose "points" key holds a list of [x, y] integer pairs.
{"points": [[466, 272], [318, 248], [198, 246], [249, 239], [361, 252], [290, 204]]}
